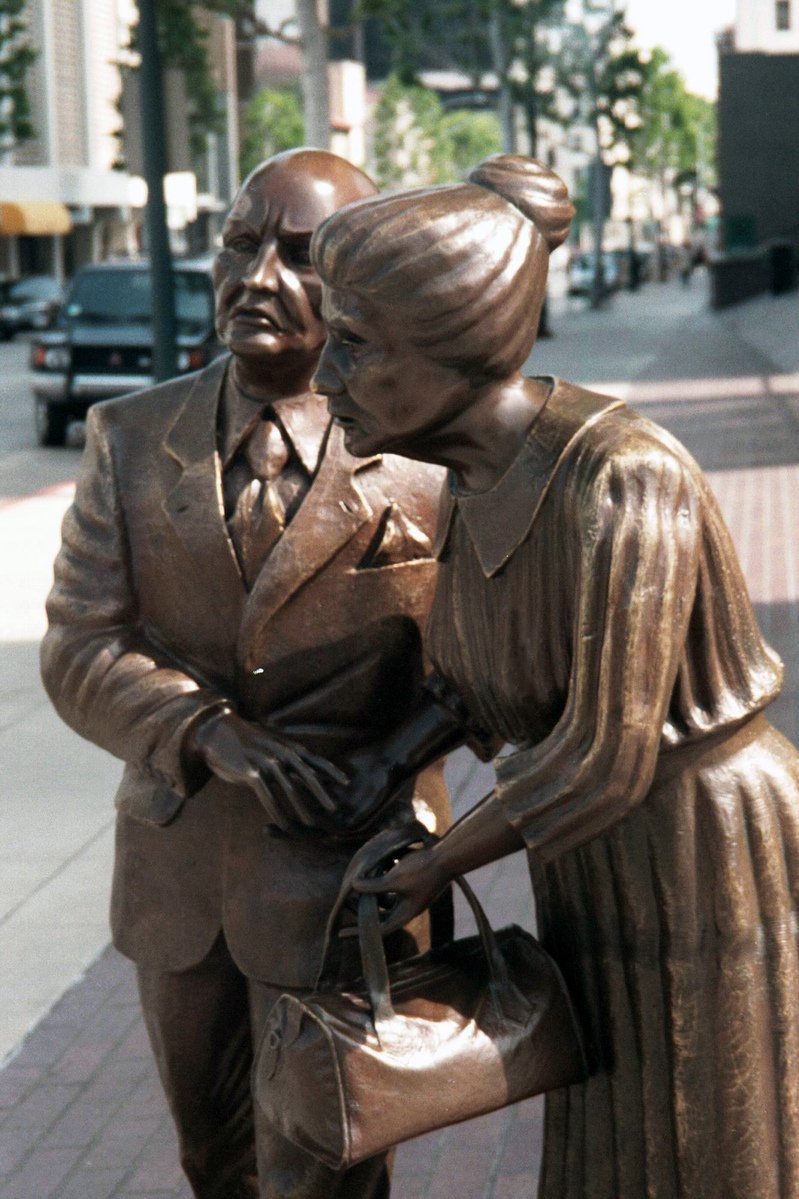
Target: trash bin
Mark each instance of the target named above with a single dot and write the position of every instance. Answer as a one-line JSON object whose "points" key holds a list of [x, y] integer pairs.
{"points": [[782, 265]]}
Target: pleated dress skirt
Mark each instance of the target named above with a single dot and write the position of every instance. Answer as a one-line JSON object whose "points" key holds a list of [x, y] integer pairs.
{"points": [[677, 932]]}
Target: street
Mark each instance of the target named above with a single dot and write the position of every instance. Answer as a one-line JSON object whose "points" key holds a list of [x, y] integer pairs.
{"points": [[84, 1117]]}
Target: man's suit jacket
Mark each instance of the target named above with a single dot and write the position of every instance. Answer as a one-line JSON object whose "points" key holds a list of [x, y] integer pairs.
{"points": [[151, 626]]}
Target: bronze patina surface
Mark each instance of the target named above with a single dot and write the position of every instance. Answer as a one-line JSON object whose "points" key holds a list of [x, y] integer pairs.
{"points": [[590, 610], [228, 691]]}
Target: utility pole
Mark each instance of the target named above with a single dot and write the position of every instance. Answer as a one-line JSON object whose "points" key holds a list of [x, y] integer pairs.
{"points": [[603, 10], [155, 168]]}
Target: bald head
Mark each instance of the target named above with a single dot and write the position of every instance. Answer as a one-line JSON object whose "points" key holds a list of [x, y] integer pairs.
{"points": [[268, 295], [322, 180]]}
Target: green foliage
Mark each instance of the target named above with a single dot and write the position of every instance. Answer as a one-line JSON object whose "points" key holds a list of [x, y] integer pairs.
{"points": [[604, 76], [271, 122], [456, 35], [16, 59], [432, 35], [470, 137], [416, 142], [677, 135], [183, 41]]}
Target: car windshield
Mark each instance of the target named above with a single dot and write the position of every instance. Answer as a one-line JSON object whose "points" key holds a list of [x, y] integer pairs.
{"points": [[37, 287], [123, 297]]}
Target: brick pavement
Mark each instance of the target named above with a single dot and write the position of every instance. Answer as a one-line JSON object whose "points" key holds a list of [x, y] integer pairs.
{"points": [[81, 1116]]}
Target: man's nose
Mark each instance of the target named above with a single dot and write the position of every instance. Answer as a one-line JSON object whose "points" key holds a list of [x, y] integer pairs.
{"points": [[326, 380], [264, 271]]}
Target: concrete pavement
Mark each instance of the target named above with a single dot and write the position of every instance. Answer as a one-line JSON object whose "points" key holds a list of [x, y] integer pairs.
{"points": [[80, 1112]]}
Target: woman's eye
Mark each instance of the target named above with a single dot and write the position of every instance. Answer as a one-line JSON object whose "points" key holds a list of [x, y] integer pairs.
{"points": [[297, 254], [352, 340]]}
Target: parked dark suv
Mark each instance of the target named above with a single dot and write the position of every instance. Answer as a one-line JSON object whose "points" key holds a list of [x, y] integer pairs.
{"points": [[102, 344]]}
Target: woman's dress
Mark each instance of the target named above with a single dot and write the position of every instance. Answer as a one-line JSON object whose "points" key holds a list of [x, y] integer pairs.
{"points": [[591, 611]]}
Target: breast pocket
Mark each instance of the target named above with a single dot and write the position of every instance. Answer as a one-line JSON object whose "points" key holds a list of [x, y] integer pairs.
{"points": [[396, 540]]}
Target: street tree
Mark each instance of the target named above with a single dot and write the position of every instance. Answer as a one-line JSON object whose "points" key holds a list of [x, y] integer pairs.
{"points": [[183, 43], [16, 58], [272, 121], [510, 38], [308, 29], [418, 142], [674, 145], [602, 76]]}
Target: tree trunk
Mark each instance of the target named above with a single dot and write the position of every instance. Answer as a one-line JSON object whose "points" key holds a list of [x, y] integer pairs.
{"points": [[499, 59], [315, 92]]}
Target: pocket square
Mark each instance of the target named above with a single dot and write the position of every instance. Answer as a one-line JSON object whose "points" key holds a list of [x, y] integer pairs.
{"points": [[396, 540]]}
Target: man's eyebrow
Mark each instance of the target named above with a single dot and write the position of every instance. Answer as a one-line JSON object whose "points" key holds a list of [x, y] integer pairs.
{"points": [[238, 225]]}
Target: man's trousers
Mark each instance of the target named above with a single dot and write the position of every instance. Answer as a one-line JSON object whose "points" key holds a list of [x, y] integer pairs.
{"points": [[203, 1024]]}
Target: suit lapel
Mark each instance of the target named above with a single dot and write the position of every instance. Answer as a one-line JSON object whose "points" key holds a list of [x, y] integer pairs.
{"points": [[195, 506], [331, 514]]}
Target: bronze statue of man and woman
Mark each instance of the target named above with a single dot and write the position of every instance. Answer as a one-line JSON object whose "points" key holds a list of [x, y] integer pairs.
{"points": [[579, 599]]}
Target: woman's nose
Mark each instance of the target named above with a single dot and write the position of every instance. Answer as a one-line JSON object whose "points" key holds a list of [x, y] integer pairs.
{"points": [[326, 381], [264, 272]]}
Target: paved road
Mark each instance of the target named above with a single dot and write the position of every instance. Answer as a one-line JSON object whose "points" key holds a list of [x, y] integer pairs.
{"points": [[24, 467], [80, 1112]]}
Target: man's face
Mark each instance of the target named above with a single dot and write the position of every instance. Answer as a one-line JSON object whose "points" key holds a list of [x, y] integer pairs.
{"points": [[267, 293]]}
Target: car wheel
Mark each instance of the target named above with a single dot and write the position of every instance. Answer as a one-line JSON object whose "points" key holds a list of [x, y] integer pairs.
{"points": [[51, 423]]}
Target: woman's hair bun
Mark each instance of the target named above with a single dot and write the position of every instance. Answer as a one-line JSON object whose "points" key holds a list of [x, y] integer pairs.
{"points": [[537, 192]]}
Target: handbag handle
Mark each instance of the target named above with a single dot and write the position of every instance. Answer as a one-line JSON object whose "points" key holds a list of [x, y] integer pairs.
{"points": [[375, 966], [388, 842]]}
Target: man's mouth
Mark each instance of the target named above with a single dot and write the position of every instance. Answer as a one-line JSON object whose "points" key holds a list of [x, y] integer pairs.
{"points": [[262, 317]]}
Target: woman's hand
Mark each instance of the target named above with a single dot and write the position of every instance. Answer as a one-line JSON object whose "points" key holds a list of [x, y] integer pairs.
{"points": [[412, 883], [372, 782]]}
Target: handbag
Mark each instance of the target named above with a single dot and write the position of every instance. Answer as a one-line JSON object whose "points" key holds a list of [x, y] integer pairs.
{"points": [[468, 1027]]}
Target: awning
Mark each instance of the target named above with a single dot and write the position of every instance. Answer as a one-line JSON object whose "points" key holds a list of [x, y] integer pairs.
{"points": [[36, 218]]}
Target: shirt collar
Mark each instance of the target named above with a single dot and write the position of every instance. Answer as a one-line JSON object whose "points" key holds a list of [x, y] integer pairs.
{"points": [[499, 520], [304, 419]]}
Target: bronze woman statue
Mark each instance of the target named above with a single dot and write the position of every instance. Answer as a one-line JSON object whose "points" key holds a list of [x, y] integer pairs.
{"points": [[591, 612]]}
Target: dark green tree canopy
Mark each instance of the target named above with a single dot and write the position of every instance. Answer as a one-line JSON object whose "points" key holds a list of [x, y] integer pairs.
{"points": [[184, 44]]}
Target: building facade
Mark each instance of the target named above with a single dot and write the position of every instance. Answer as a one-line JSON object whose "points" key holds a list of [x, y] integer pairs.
{"points": [[767, 27], [758, 152], [72, 194], [74, 87]]}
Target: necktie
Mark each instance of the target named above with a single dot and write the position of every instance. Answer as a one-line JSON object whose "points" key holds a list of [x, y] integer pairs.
{"points": [[268, 488]]}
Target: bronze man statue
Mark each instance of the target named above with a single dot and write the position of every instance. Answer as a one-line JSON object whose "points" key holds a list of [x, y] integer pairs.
{"points": [[237, 604]]}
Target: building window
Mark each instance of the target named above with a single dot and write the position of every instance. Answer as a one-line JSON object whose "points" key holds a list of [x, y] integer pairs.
{"points": [[783, 15]]}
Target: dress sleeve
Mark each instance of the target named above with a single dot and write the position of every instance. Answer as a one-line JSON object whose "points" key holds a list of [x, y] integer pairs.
{"points": [[105, 678], [638, 524]]}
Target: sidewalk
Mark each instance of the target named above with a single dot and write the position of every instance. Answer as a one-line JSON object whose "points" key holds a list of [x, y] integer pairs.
{"points": [[81, 1116]]}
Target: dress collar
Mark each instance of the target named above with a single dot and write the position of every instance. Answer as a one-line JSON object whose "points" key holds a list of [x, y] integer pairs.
{"points": [[304, 419], [498, 520]]}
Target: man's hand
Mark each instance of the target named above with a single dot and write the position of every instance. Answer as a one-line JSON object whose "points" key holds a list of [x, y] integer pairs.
{"points": [[288, 779]]}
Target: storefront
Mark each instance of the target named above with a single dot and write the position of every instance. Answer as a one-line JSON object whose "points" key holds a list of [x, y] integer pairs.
{"points": [[32, 236]]}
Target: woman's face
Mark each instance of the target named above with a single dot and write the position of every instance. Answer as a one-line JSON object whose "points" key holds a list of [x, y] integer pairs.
{"points": [[386, 394]]}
